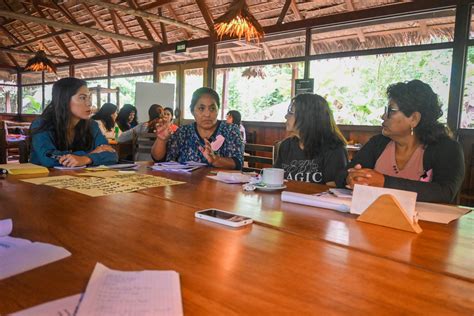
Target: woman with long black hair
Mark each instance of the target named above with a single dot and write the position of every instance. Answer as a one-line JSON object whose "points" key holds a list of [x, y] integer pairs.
{"points": [[106, 117], [64, 134], [316, 150], [127, 117]]}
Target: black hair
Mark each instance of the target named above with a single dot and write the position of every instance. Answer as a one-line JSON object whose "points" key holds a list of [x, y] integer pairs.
{"points": [[201, 92], [57, 117], [417, 96], [105, 115], [315, 124], [169, 110], [236, 117], [122, 118], [153, 113]]}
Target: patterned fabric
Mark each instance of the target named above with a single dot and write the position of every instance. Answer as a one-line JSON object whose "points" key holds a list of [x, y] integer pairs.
{"points": [[184, 145]]}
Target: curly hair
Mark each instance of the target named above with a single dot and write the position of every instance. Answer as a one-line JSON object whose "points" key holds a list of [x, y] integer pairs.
{"points": [[316, 125], [417, 96]]}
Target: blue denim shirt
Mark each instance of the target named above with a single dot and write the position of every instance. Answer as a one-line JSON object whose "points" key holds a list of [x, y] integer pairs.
{"points": [[43, 143]]}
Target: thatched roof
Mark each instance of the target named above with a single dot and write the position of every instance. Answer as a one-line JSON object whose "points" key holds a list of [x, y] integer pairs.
{"points": [[122, 31]]}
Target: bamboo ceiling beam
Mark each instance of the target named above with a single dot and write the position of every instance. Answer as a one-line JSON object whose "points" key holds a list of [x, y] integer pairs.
{"points": [[163, 28], [286, 6], [175, 16], [295, 10], [145, 15], [22, 52], [13, 60], [156, 3], [46, 36], [100, 24], [125, 27], [206, 14], [141, 21], [98, 47], [116, 29], [77, 28]]}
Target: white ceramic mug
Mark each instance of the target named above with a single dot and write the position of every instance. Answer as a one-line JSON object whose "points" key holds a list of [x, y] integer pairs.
{"points": [[273, 177]]}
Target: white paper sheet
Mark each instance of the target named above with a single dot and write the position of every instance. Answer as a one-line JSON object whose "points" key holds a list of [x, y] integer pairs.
{"points": [[231, 177], [364, 195], [439, 213], [111, 292], [61, 307], [29, 256], [6, 226], [7, 243], [320, 200]]}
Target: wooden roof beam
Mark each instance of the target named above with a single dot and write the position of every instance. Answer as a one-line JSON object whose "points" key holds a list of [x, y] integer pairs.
{"points": [[144, 14], [40, 38], [154, 4], [77, 28], [360, 32], [163, 28], [206, 14], [125, 27], [295, 10], [114, 22], [56, 38], [13, 60], [141, 21], [99, 23], [175, 16], [286, 6], [27, 53]]}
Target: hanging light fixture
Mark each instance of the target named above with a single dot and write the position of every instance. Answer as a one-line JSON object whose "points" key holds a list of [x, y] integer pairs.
{"points": [[40, 63], [238, 21]]}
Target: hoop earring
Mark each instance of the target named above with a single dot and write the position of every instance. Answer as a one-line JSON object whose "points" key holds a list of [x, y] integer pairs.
{"points": [[411, 132]]}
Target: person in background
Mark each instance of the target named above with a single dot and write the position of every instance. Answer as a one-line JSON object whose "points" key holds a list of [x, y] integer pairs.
{"points": [[154, 114], [415, 152], [64, 134], [234, 117], [316, 150], [127, 117], [206, 140], [168, 117], [106, 117]]}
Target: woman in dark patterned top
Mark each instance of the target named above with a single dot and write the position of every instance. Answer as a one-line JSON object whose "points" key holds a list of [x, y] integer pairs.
{"points": [[316, 151], [206, 140]]}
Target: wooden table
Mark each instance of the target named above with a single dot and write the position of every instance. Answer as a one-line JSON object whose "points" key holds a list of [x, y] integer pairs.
{"points": [[447, 249], [257, 269]]}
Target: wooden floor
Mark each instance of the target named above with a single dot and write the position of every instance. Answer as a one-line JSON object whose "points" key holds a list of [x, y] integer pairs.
{"points": [[292, 260]]}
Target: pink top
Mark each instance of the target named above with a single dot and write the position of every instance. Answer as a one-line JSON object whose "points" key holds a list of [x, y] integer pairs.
{"points": [[413, 170]]}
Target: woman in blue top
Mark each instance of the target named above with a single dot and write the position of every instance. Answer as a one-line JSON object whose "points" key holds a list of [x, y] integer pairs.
{"points": [[206, 140], [64, 134]]}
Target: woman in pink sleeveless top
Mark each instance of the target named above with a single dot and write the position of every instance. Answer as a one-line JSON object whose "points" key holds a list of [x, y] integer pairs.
{"points": [[415, 152]]}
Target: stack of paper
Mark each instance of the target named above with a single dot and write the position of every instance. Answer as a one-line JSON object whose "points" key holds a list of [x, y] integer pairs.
{"points": [[18, 255], [176, 166], [111, 292], [323, 200], [231, 177], [23, 168]]}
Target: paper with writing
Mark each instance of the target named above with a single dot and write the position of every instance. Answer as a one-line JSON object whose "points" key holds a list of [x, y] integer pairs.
{"points": [[111, 292], [110, 184], [323, 200], [61, 307], [364, 195]]}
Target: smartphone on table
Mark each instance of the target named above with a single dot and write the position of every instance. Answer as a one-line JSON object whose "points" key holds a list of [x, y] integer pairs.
{"points": [[223, 217]]}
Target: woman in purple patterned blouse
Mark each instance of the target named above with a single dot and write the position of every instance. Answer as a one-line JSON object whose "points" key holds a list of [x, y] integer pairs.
{"points": [[206, 140]]}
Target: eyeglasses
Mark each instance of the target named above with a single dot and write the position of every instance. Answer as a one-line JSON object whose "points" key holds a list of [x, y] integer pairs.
{"points": [[291, 110], [389, 111]]}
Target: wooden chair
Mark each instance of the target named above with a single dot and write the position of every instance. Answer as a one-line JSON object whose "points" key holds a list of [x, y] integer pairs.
{"points": [[142, 146], [9, 145], [467, 194], [255, 161]]}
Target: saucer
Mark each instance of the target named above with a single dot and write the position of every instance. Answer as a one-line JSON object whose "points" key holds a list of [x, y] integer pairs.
{"points": [[267, 188]]}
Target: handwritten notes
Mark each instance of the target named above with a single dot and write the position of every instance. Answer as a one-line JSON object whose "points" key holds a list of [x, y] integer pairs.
{"points": [[104, 183], [61, 307], [111, 292], [18, 255]]}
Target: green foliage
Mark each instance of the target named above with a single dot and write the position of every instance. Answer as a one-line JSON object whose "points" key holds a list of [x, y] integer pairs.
{"points": [[33, 106]]}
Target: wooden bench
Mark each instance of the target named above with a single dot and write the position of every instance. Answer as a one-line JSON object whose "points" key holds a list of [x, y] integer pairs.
{"points": [[254, 159]]}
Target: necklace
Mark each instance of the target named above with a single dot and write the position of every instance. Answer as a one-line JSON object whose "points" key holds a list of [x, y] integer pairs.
{"points": [[395, 168]]}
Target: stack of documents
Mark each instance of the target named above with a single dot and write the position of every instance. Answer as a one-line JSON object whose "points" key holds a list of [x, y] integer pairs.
{"points": [[231, 177], [176, 166], [111, 292], [23, 168], [18, 255]]}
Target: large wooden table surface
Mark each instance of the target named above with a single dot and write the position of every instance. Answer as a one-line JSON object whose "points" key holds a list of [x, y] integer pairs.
{"points": [[441, 248], [257, 269]]}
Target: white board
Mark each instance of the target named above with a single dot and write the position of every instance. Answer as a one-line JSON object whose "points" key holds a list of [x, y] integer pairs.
{"points": [[148, 93]]}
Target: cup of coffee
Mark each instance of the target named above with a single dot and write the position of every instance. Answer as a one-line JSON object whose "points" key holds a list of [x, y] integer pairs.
{"points": [[273, 177]]}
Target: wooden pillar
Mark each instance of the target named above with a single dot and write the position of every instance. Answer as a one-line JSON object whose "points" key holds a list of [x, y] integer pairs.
{"points": [[225, 92]]}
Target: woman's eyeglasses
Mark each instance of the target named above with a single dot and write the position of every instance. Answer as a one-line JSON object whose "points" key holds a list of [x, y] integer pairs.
{"points": [[291, 109], [389, 111]]}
